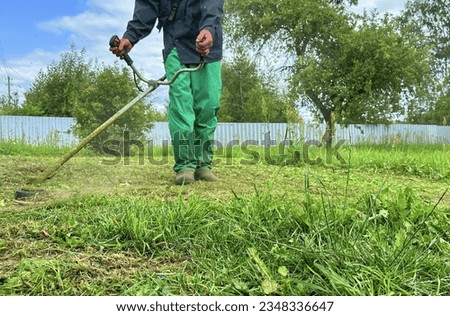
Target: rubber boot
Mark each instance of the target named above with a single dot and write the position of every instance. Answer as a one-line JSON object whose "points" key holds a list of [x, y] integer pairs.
{"points": [[184, 177], [205, 175]]}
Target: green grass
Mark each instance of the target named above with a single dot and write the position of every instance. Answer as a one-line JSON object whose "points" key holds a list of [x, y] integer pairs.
{"points": [[21, 148], [377, 225]]}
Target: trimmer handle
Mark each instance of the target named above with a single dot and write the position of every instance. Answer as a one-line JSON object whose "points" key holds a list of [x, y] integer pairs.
{"points": [[114, 42]]}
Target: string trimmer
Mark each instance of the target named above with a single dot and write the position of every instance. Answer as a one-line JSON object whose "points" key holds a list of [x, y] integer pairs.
{"points": [[151, 86]]}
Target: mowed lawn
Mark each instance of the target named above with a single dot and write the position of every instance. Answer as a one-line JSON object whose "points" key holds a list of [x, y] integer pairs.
{"points": [[375, 222]]}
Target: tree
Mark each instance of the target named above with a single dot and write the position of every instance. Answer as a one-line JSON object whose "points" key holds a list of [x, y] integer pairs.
{"points": [[437, 112], [429, 20], [9, 105], [110, 90], [442, 109], [348, 68], [91, 93], [247, 96], [56, 90]]}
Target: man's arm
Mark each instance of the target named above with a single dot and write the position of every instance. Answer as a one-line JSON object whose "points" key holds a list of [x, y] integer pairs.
{"points": [[144, 19], [212, 12]]}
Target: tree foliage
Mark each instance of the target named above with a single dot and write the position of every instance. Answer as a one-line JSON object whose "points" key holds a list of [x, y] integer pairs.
{"points": [[429, 20], [56, 90], [436, 110], [348, 68], [90, 93], [248, 96], [9, 105], [110, 90]]}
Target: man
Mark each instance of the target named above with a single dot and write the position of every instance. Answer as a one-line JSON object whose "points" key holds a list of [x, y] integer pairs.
{"points": [[191, 28]]}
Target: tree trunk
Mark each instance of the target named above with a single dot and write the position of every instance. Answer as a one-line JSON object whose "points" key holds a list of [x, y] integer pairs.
{"points": [[327, 117], [329, 129]]}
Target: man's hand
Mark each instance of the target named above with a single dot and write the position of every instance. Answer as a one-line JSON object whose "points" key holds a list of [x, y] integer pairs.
{"points": [[123, 46], [204, 42]]}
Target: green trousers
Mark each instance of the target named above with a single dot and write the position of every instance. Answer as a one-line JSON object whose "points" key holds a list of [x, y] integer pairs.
{"points": [[194, 101]]}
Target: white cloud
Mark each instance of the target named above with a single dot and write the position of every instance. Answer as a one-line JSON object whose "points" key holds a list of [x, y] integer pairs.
{"points": [[113, 7], [92, 30], [393, 7], [24, 69], [83, 23]]}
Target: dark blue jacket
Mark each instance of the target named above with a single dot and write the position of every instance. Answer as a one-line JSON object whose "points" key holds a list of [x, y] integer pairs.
{"points": [[191, 17]]}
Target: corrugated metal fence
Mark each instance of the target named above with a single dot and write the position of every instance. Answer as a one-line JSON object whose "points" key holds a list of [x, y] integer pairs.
{"points": [[57, 131], [38, 130]]}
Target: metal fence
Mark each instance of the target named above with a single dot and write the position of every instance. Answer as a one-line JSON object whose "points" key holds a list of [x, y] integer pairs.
{"points": [[57, 132], [37, 130]]}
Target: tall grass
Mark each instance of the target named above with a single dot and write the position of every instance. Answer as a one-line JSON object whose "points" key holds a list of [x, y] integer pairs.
{"points": [[21, 148], [419, 160], [384, 243], [304, 238], [24, 149]]}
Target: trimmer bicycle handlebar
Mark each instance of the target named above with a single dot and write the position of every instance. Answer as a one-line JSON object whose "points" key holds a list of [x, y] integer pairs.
{"points": [[115, 41]]}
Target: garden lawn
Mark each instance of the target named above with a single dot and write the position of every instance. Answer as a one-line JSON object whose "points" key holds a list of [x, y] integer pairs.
{"points": [[377, 223]]}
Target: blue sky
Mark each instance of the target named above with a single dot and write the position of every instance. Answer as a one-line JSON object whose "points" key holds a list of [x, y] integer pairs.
{"points": [[19, 24], [35, 33]]}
